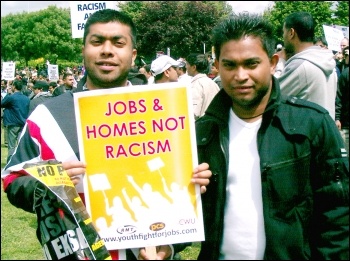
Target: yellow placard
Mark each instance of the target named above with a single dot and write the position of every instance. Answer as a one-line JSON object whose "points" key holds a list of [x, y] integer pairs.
{"points": [[139, 146]]}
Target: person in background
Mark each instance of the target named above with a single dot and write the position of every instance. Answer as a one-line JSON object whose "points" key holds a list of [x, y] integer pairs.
{"points": [[108, 52], [342, 100], [182, 72], [280, 189], [18, 77], [339, 58], [16, 109], [68, 82], [146, 70], [34, 77], [3, 127], [203, 88], [3, 88], [321, 42], [52, 87], [3, 94], [163, 69], [57, 91], [60, 82], [281, 52], [41, 94], [214, 71], [310, 72], [137, 78]]}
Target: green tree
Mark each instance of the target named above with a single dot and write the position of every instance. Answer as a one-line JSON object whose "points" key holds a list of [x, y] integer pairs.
{"points": [[341, 13], [182, 26], [46, 33], [321, 11]]}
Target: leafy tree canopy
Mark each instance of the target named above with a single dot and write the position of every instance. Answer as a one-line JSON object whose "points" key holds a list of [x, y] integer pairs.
{"points": [[324, 13], [46, 33], [182, 26]]}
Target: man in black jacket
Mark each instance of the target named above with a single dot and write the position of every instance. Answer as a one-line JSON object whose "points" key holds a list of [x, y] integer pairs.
{"points": [[280, 184], [342, 100]]}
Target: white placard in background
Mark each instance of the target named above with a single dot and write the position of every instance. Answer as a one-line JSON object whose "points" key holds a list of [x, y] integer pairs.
{"points": [[8, 71], [81, 10], [333, 37]]}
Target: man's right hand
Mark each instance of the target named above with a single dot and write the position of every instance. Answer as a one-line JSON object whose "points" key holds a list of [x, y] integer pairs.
{"points": [[74, 170]]}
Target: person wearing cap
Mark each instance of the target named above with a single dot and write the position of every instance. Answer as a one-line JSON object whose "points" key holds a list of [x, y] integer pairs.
{"points": [[41, 94], [203, 88], [279, 47], [164, 69], [182, 72], [281, 52]]}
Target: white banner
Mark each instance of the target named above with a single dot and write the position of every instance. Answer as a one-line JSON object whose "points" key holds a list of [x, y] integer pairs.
{"points": [[52, 72], [8, 71], [333, 37], [81, 10], [344, 29]]}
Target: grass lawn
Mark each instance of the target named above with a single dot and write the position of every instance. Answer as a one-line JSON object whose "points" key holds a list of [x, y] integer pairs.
{"points": [[18, 230]]}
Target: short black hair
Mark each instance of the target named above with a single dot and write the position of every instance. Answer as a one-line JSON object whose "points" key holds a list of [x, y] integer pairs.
{"points": [[110, 15], [53, 84], [66, 74], [18, 85], [304, 25], [199, 60], [321, 39], [238, 26]]}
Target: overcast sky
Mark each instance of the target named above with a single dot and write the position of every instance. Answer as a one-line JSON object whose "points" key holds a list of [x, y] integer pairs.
{"points": [[31, 6]]}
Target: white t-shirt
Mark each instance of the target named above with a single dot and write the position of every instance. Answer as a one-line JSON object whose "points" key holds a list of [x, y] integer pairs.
{"points": [[185, 78], [244, 233]]}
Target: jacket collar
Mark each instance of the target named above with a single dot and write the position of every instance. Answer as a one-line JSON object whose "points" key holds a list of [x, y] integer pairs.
{"points": [[222, 102], [81, 88]]}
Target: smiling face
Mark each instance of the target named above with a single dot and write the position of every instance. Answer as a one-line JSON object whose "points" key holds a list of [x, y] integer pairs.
{"points": [[246, 74], [108, 55]]}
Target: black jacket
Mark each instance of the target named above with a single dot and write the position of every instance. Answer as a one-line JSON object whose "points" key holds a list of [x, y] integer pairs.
{"points": [[305, 179], [342, 101]]}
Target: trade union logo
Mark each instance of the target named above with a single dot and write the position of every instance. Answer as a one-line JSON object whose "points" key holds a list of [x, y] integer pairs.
{"points": [[126, 229], [157, 226]]}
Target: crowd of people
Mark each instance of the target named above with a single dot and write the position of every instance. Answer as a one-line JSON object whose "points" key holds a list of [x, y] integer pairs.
{"points": [[273, 164], [20, 96]]}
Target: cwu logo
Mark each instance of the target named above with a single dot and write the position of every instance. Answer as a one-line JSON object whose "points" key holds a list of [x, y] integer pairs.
{"points": [[126, 229]]}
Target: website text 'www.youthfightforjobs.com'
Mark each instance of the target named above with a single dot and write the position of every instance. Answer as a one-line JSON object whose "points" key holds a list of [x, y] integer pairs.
{"points": [[146, 236]]}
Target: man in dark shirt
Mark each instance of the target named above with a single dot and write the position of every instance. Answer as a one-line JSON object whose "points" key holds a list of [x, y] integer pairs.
{"points": [[15, 114]]}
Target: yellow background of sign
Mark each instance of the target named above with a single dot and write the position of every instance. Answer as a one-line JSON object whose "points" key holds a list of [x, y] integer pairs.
{"points": [[178, 164], [49, 175]]}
